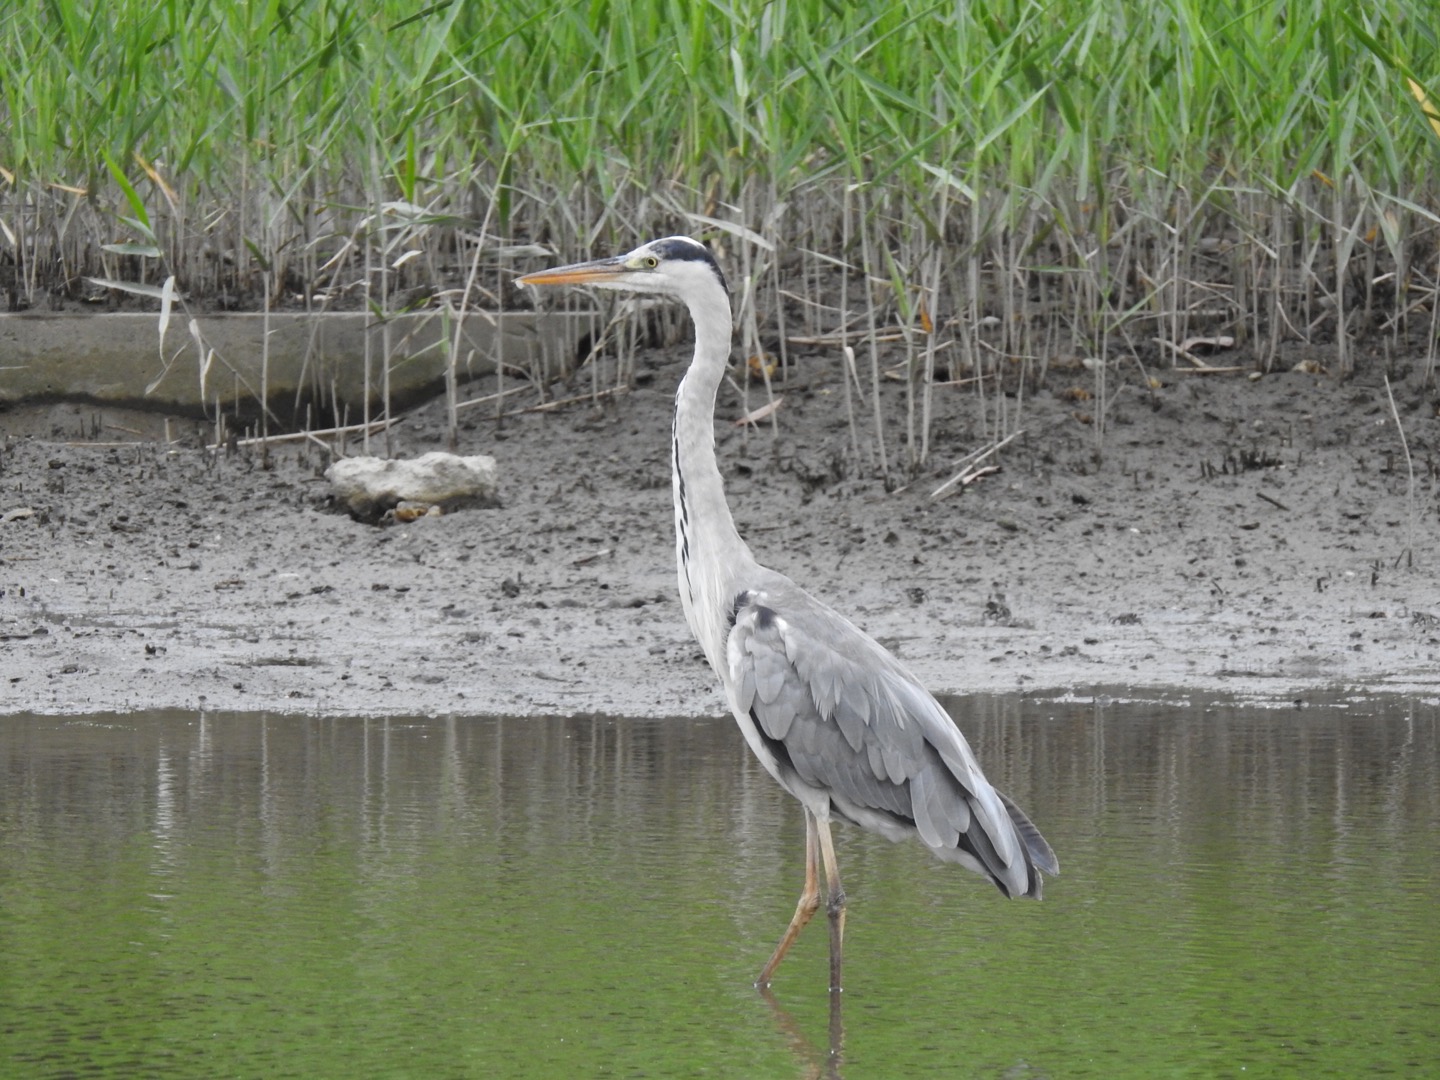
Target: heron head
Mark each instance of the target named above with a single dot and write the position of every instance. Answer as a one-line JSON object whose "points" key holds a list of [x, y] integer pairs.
{"points": [[673, 266]]}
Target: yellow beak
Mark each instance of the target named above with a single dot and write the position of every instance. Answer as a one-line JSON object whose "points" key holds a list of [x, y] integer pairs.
{"points": [[586, 273]]}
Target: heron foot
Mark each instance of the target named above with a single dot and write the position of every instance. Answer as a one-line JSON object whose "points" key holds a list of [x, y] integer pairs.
{"points": [[809, 903]]}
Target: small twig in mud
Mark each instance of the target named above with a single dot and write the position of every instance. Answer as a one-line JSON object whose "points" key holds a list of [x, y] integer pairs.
{"points": [[881, 336], [1211, 371], [470, 403], [105, 445], [973, 474], [756, 415], [969, 379], [1201, 367], [1273, 502], [560, 403], [310, 436], [296, 436], [968, 474]]}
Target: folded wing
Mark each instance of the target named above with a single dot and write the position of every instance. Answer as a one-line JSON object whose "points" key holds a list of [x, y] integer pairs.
{"points": [[840, 715]]}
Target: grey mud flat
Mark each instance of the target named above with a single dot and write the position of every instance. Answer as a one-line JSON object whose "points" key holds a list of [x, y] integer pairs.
{"points": [[1226, 537]]}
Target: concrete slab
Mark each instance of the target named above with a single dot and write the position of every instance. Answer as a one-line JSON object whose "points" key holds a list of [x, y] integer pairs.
{"points": [[222, 360]]}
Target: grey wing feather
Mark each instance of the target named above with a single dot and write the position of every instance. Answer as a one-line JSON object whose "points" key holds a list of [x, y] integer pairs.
{"points": [[844, 718]]}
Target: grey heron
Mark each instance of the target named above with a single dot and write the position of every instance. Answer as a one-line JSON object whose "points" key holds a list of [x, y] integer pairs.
{"points": [[836, 719]]}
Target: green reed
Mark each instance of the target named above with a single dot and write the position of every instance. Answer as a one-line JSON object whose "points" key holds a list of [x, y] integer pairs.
{"points": [[1027, 184]]}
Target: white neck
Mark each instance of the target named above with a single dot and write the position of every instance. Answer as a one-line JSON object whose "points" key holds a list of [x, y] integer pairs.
{"points": [[713, 562]]}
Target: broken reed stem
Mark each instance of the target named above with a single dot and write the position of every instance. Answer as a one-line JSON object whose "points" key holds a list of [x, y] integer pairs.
{"points": [[265, 363], [848, 362], [298, 436], [559, 403], [472, 402], [871, 327], [971, 460], [1410, 470]]}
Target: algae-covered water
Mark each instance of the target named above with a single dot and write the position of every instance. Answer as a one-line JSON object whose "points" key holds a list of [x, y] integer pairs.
{"points": [[1245, 892]]}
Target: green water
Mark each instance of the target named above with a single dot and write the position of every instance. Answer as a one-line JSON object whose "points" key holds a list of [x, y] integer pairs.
{"points": [[1246, 892]]}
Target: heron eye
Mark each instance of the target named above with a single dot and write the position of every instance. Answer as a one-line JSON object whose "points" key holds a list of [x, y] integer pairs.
{"points": [[650, 262]]}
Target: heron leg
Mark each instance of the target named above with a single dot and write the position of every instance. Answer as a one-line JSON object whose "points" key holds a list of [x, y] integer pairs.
{"points": [[809, 900], [835, 905]]}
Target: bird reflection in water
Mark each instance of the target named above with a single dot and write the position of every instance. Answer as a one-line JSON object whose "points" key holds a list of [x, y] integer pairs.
{"points": [[815, 1063]]}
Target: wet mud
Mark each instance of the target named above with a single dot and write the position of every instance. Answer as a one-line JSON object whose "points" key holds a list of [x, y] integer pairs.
{"points": [[1264, 538]]}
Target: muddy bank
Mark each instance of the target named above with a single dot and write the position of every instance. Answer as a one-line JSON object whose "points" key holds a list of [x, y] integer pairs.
{"points": [[1260, 538]]}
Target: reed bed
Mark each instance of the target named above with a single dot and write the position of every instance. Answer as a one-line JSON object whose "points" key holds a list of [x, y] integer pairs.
{"points": [[963, 194]]}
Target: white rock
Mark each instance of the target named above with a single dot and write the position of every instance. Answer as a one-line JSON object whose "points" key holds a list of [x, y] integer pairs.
{"points": [[370, 486]]}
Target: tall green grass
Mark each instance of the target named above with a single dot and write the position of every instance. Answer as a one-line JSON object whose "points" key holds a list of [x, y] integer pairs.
{"points": [[1034, 182]]}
